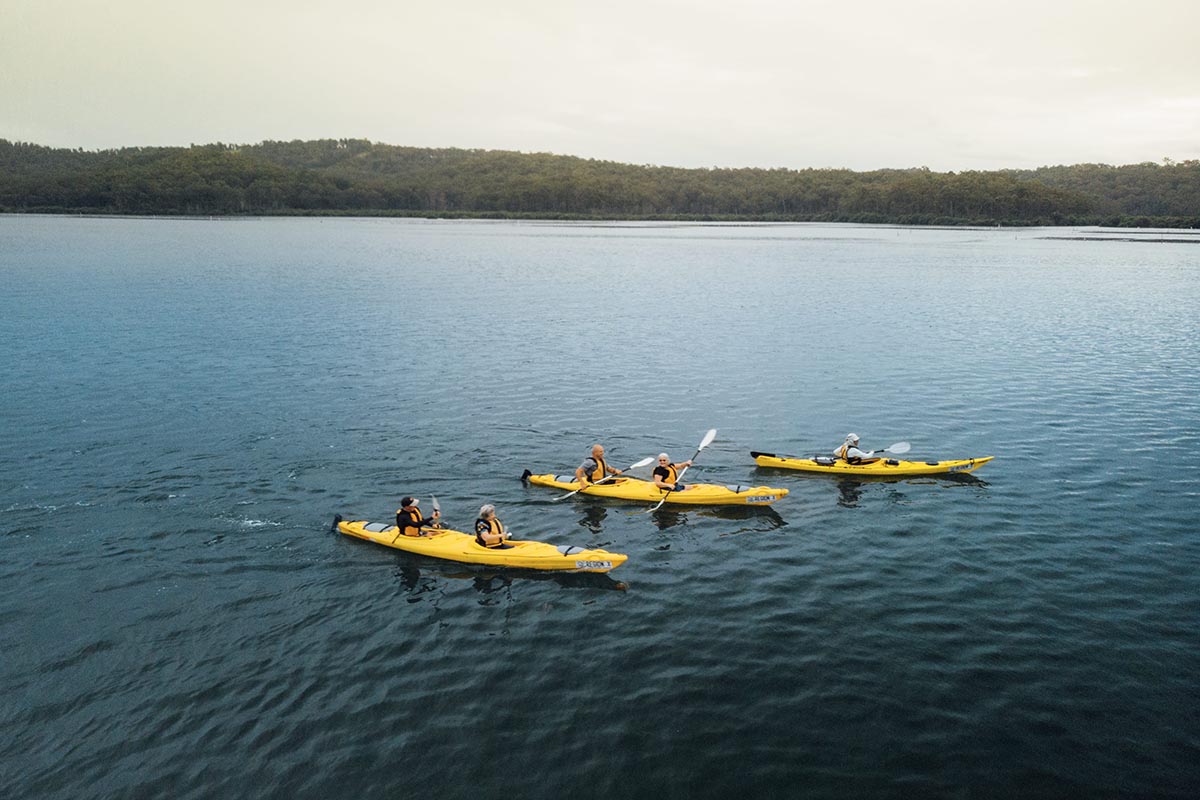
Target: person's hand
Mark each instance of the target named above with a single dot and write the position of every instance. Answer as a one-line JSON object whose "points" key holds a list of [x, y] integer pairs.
{"points": [[437, 515], [618, 472]]}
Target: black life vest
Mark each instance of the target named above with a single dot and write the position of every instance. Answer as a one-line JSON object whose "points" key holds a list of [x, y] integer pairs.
{"points": [[409, 519], [493, 525], [672, 475]]}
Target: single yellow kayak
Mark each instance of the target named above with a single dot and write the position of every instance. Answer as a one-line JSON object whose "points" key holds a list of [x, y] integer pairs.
{"points": [[458, 546], [883, 468], [697, 494]]}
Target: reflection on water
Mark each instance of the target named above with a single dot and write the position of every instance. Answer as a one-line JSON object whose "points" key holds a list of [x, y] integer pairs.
{"points": [[594, 514], [420, 575], [849, 492]]}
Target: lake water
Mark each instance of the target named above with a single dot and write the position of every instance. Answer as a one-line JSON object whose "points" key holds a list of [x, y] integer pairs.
{"points": [[187, 404]]}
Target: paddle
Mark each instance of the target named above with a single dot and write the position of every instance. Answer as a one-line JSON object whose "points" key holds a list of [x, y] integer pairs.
{"points": [[436, 507], [899, 448], [641, 463], [705, 442]]}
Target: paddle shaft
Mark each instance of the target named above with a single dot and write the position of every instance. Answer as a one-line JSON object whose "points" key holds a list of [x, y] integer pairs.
{"points": [[898, 447]]}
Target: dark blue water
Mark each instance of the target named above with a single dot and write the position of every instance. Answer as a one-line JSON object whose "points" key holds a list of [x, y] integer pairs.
{"points": [[186, 405]]}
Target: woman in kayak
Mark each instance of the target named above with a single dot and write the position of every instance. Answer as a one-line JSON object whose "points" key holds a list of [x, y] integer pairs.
{"points": [[666, 474], [489, 531], [408, 518], [594, 468], [850, 453]]}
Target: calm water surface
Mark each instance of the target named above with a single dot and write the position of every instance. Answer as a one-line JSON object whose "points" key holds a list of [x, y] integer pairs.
{"points": [[186, 405]]}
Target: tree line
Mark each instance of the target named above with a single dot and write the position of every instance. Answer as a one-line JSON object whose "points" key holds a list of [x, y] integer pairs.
{"points": [[356, 176]]}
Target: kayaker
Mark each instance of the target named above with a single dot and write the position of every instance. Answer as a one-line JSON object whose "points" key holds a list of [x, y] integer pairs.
{"points": [[408, 517], [850, 453], [666, 474], [594, 468], [489, 531]]}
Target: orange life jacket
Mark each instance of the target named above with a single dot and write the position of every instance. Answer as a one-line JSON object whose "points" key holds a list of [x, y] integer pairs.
{"points": [[601, 470]]}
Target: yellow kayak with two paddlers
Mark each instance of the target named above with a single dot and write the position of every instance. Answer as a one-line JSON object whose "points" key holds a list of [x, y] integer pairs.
{"points": [[696, 494], [457, 546]]}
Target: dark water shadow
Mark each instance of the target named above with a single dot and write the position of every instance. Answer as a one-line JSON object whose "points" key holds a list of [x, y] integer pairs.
{"points": [[665, 518], [488, 579], [593, 517]]}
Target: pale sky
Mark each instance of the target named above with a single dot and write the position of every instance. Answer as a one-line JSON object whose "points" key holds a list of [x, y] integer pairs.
{"points": [[762, 83]]}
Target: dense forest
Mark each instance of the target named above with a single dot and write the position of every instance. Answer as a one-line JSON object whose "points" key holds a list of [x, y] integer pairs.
{"points": [[355, 176]]}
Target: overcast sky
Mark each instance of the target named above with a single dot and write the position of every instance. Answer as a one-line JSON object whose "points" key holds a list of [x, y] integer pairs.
{"points": [[766, 83]]}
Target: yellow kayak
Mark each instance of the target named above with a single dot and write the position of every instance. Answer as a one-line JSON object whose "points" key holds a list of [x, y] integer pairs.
{"points": [[883, 468], [697, 494], [458, 546]]}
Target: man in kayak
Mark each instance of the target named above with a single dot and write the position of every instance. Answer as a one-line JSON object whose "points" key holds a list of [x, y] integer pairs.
{"points": [[850, 453], [489, 531], [408, 518], [666, 474], [594, 468]]}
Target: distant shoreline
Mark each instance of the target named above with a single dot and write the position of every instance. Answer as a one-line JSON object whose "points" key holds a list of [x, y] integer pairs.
{"points": [[359, 178], [1151, 234]]}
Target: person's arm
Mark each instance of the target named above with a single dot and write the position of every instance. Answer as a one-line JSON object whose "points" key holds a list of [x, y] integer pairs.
{"points": [[581, 474]]}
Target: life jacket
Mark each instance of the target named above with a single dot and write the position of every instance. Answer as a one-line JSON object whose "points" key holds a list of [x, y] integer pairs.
{"points": [[494, 526], [672, 475], [842, 453], [601, 470], [409, 520]]}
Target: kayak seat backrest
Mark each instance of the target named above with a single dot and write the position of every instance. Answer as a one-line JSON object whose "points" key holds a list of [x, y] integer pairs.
{"points": [[825, 461], [933, 463], [565, 478], [569, 549], [736, 487], [377, 527], [891, 462]]}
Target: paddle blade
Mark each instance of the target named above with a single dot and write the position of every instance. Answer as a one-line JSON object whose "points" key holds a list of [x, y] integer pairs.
{"points": [[433, 502], [899, 448], [708, 438]]}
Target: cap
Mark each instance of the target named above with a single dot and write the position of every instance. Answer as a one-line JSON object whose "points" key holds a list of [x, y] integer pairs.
{"points": [[408, 501], [851, 437]]}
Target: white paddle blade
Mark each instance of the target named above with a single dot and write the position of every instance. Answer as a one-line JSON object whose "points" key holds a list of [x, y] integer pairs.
{"points": [[899, 448], [708, 438], [433, 502]]}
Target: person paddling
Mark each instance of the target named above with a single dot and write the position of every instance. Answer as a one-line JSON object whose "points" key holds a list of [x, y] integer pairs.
{"points": [[595, 468], [489, 531], [408, 517], [666, 474], [850, 453]]}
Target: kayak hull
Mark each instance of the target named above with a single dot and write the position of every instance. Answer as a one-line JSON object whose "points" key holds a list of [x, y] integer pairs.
{"points": [[457, 546], [697, 494], [884, 468]]}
